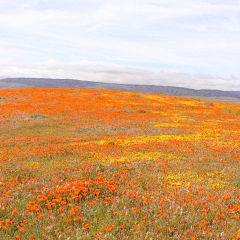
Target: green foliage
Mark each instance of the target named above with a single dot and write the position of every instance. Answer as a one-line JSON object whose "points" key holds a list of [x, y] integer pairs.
{"points": [[38, 116]]}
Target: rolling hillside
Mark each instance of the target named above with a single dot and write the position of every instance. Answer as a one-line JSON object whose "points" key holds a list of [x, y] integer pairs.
{"points": [[215, 95]]}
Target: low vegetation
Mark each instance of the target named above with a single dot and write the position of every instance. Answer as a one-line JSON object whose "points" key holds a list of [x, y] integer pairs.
{"points": [[97, 164]]}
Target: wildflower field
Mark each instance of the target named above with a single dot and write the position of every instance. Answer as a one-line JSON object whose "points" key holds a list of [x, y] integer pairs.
{"points": [[96, 164]]}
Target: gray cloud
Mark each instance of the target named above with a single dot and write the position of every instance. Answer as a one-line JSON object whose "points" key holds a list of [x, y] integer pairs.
{"points": [[113, 73]]}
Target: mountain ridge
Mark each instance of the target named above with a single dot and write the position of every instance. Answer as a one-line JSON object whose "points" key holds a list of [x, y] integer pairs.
{"points": [[16, 83]]}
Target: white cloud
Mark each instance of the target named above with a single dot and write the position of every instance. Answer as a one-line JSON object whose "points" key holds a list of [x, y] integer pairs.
{"points": [[186, 36], [112, 73]]}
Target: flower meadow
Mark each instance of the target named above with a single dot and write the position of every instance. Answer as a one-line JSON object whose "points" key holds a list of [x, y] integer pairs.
{"points": [[97, 164]]}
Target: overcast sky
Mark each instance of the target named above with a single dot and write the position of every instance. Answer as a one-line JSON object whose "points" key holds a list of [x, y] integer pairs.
{"points": [[186, 43]]}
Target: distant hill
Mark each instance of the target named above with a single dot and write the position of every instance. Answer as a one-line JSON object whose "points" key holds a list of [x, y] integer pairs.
{"points": [[235, 92], [217, 95]]}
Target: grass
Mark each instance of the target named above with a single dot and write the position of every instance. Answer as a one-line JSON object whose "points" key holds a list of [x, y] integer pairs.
{"points": [[76, 165]]}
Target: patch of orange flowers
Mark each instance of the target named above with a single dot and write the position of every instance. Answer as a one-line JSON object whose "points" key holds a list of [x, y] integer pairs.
{"points": [[117, 165]]}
